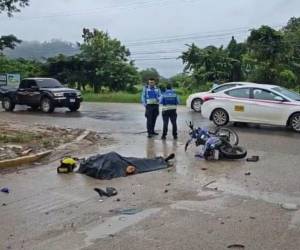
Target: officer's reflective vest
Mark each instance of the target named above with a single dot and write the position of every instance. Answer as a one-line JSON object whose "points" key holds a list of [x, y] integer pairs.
{"points": [[169, 100], [151, 95]]}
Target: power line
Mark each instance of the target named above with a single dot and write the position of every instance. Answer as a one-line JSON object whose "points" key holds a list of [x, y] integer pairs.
{"points": [[129, 7], [171, 40], [156, 59]]}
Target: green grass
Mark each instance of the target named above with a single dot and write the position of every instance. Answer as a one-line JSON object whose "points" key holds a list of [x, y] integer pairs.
{"points": [[122, 97], [18, 137], [119, 97]]}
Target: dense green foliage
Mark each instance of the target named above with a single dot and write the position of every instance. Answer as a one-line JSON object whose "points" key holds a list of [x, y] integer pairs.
{"points": [[102, 63], [11, 6], [146, 74], [267, 56], [9, 41]]}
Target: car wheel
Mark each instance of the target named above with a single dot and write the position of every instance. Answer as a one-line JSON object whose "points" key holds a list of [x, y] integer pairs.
{"points": [[220, 117], [74, 107], [196, 104], [8, 104], [295, 122], [47, 105]]}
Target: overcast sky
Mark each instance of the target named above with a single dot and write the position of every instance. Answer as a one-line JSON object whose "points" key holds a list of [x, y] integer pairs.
{"points": [[154, 30]]}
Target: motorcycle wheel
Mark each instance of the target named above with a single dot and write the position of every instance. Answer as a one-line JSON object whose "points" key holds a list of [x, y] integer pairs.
{"points": [[233, 136], [233, 152]]}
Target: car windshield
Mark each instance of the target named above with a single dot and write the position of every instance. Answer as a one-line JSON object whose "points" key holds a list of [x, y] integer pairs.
{"points": [[290, 94], [48, 83]]}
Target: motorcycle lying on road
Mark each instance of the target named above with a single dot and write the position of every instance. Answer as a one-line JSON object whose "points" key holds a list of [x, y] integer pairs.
{"points": [[219, 144]]}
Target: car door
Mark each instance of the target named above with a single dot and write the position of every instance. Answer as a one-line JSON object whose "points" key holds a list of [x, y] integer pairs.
{"points": [[22, 92], [237, 104], [268, 107], [34, 94]]}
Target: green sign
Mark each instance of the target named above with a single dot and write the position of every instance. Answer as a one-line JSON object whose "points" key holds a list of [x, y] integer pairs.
{"points": [[13, 79], [10, 79], [3, 79]]}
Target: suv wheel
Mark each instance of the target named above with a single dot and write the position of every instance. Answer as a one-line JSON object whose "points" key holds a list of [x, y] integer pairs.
{"points": [[8, 104], [196, 104], [220, 117], [47, 105], [295, 122]]}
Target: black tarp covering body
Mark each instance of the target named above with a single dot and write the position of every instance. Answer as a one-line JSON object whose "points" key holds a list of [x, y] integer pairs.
{"points": [[113, 165]]}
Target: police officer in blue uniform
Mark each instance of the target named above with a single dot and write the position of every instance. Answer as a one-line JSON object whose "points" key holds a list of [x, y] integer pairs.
{"points": [[169, 101], [150, 99]]}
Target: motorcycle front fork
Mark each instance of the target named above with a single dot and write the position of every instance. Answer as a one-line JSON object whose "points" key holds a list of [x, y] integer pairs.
{"points": [[211, 155]]}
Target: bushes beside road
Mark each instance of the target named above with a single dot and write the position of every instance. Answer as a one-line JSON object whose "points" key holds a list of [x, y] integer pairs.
{"points": [[120, 97]]}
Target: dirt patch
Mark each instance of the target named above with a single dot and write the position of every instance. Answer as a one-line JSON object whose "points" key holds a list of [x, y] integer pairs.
{"points": [[17, 140]]}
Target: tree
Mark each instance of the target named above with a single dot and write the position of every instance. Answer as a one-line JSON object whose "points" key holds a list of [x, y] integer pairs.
{"points": [[107, 62], [265, 56], [11, 6], [208, 64], [8, 42], [288, 78], [291, 34], [21, 66], [236, 51], [147, 74], [67, 69]]}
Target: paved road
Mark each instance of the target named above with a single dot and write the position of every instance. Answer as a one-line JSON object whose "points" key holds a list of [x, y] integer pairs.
{"points": [[46, 211]]}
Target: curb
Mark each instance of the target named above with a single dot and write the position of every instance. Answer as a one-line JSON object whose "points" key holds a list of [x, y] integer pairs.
{"points": [[77, 140], [23, 160]]}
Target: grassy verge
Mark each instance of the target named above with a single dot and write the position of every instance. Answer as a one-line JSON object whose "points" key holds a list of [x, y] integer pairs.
{"points": [[119, 97], [18, 137]]}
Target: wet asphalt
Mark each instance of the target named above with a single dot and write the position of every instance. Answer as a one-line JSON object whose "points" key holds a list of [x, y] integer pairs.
{"points": [[47, 211]]}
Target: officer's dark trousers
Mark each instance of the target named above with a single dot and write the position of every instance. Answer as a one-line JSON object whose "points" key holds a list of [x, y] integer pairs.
{"points": [[152, 112], [169, 115]]}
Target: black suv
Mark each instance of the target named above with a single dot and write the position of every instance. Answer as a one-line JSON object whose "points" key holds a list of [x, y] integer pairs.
{"points": [[46, 93]]}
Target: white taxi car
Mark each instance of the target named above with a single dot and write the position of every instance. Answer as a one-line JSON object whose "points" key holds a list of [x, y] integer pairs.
{"points": [[195, 100], [256, 103]]}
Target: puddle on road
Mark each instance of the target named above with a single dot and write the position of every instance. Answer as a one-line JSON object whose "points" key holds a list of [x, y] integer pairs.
{"points": [[116, 224]]}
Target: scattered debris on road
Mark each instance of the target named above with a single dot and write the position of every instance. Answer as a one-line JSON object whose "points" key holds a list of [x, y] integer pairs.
{"points": [[5, 190], [110, 191], [206, 185], [236, 246], [254, 158]]}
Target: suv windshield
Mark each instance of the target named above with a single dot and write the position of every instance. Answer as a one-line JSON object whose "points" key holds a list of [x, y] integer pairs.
{"points": [[290, 94], [48, 83]]}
